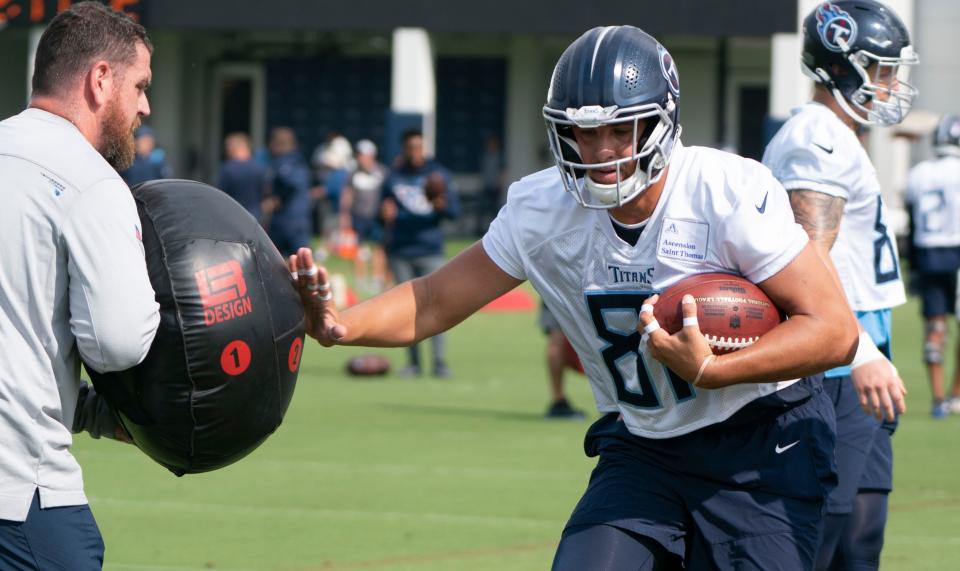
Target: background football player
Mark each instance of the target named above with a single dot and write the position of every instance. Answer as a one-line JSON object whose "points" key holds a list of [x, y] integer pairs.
{"points": [[711, 462], [857, 52], [933, 193]]}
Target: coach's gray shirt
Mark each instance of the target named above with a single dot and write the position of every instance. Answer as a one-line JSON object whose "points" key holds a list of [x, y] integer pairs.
{"points": [[72, 278]]}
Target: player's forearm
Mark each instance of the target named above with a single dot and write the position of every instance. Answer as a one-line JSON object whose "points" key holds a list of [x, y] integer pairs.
{"points": [[93, 415], [426, 306], [822, 247], [820, 334], [386, 320], [801, 346]]}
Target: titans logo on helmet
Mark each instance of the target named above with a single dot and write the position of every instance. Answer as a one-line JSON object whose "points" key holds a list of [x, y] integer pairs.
{"points": [[669, 70], [834, 26]]}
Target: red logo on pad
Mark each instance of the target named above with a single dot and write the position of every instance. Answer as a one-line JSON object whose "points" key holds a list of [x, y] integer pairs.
{"points": [[235, 358], [223, 292]]}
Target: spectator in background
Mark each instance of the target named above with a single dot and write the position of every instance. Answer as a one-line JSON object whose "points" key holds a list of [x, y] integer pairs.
{"points": [[359, 209], [332, 164], [933, 193], [149, 161], [243, 178], [290, 190], [491, 171], [560, 355], [418, 195]]}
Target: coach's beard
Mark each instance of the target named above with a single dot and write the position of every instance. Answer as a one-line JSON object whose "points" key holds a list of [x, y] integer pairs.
{"points": [[116, 138]]}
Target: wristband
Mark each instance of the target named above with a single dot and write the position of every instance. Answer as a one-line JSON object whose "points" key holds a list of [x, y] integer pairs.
{"points": [[703, 367], [867, 352]]}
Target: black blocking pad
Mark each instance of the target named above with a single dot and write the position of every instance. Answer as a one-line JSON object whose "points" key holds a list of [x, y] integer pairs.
{"points": [[222, 369]]}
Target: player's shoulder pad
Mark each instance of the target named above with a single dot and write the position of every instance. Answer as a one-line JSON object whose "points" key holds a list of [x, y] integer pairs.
{"points": [[540, 207], [813, 124], [542, 189], [727, 178]]}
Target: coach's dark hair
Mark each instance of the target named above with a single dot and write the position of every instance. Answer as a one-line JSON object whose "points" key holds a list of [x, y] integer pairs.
{"points": [[410, 133], [77, 37]]}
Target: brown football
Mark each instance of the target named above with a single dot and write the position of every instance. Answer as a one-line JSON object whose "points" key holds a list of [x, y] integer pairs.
{"points": [[435, 187], [368, 365], [732, 312]]}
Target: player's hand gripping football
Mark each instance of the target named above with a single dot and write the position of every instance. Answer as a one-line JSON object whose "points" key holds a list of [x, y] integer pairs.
{"points": [[880, 388], [686, 352], [313, 283]]}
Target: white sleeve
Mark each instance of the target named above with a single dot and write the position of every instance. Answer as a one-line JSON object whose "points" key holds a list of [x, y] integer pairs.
{"points": [[761, 237], [500, 243], [113, 313], [913, 179], [802, 165]]}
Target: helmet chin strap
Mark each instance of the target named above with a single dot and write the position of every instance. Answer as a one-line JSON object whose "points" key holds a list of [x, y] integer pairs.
{"points": [[845, 105], [618, 193]]}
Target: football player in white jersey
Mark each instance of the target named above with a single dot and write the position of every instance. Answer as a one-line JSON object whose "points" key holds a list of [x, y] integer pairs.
{"points": [[857, 52], [933, 193], [705, 462]]}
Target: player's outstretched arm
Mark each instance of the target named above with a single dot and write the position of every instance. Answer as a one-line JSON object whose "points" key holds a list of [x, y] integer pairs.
{"points": [[820, 334], [407, 313]]}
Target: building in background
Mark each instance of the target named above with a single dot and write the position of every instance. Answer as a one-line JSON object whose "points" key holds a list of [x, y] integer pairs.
{"points": [[373, 68]]}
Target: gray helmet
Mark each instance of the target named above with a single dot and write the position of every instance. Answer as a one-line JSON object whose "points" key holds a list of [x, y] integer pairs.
{"points": [[946, 138], [613, 75]]}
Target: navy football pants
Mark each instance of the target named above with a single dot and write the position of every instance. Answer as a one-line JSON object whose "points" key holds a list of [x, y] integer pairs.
{"points": [[747, 493], [52, 539], [857, 507]]}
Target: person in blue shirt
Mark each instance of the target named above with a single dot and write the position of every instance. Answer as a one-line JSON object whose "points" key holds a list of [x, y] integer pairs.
{"points": [[243, 178], [290, 189], [418, 196], [149, 162]]}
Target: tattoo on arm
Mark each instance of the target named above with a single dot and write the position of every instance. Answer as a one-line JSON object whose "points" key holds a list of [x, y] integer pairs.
{"points": [[819, 214]]}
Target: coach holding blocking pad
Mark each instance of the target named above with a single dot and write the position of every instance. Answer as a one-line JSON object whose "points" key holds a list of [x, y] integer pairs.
{"points": [[73, 281]]}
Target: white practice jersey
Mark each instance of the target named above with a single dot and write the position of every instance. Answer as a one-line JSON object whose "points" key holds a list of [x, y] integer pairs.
{"points": [[933, 191], [718, 213], [815, 150]]}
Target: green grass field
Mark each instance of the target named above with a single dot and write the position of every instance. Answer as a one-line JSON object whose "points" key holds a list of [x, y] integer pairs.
{"points": [[424, 474]]}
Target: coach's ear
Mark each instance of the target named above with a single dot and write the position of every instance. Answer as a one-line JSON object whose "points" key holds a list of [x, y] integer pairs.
{"points": [[100, 83]]}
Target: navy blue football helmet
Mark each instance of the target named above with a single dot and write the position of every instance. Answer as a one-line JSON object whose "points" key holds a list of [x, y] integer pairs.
{"points": [[946, 138], [608, 76], [860, 50]]}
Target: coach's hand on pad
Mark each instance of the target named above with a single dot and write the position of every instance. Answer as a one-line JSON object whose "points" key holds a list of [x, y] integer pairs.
{"points": [[313, 283], [686, 352]]}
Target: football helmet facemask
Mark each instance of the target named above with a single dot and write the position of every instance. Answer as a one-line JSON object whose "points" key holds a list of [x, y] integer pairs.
{"points": [[612, 76]]}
